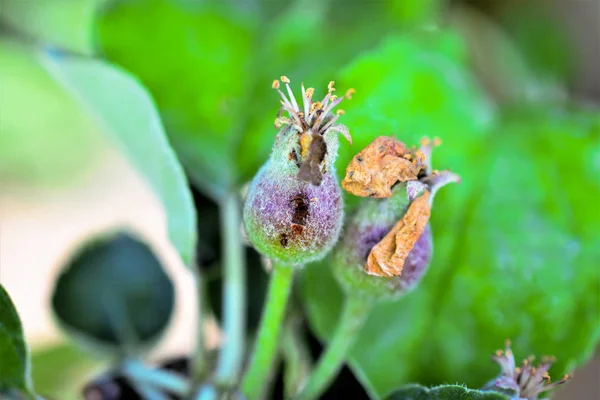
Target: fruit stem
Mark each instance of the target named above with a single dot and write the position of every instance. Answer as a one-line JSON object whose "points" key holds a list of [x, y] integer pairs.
{"points": [[162, 379], [267, 340], [234, 293], [296, 355], [355, 312], [199, 357]]}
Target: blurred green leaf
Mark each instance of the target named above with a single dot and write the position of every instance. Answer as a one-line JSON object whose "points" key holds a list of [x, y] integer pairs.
{"points": [[514, 254], [414, 11], [14, 368], [114, 293], [411, 87], [66, 24], [195, 62], [126, 112], [46, 138], [446, 392], [542, 37], [504, 72], [214, 91], [66, 382]]}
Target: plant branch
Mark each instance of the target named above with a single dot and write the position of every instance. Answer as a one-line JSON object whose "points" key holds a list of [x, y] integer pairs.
{"points": [[267, 341], [296, 355], [355, 312], [155, 378], [199, 357], [234, 293]]}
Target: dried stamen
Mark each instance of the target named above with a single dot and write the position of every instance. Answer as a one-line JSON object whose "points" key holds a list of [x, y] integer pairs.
{"points": [[313, 121]]}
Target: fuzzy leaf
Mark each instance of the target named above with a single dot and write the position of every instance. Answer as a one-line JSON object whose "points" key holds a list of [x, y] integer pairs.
{"points": [[128, 116], [445, 392]]}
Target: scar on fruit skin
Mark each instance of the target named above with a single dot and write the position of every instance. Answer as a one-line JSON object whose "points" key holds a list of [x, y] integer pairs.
{"points": [[283, 240], [299, 217]]}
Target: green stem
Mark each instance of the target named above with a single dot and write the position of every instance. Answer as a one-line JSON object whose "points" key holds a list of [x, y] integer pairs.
{"points": [[234, 293], [155, 378], [265, 348], [355, 312], [296, 355], [199, 358]]}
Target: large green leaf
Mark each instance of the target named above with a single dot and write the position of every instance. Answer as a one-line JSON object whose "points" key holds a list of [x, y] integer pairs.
{"points": [[514, 254], [14, 368], [195, 62], [445, 392], [59, 144], [127, 115], [214, 91]]}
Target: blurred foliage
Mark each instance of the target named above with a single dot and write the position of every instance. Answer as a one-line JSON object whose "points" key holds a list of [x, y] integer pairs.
{"points": [[113, 294], [214, 95], [61, 23], [138, 132], [14, 369], [45, 138], [66, 382]]}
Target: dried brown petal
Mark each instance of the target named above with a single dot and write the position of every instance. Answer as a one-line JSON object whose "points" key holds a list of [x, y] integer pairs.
{"points": [[388, 256], [381, 164]]}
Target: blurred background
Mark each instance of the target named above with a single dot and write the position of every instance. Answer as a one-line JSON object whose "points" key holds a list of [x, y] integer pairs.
{"points": [[63, 181]]}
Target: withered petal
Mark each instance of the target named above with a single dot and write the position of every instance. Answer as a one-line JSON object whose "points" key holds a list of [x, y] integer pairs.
{"points": [[388, 256], [375, 169]]}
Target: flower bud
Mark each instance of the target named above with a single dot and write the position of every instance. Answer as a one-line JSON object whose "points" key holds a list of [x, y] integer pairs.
{"points": [[293, 210], [525, 382], [388, 244]]}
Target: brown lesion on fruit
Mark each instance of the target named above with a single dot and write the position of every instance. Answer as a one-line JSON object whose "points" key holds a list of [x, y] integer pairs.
{"points": [[388, 256], [293, 156], [380, 165], [313, 155], [297, 229], [283, 240], [301, 209]]}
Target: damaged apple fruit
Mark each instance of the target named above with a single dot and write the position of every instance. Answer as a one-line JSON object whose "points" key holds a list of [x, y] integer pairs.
{"points": [[388, 244], [293, 211]]}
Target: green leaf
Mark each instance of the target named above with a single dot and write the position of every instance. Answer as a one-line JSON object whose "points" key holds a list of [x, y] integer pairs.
{"points": [[194, 60], [113, 293], [127, 114], [220, 108], [411, 87], [66, 382], [514, 254], [63, 23], [445, 392], [56, 147], [15, 365]]}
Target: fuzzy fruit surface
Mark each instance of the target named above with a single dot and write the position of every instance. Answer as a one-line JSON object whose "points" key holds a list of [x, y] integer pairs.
{"points": [[289, 220], [368, 226]]}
